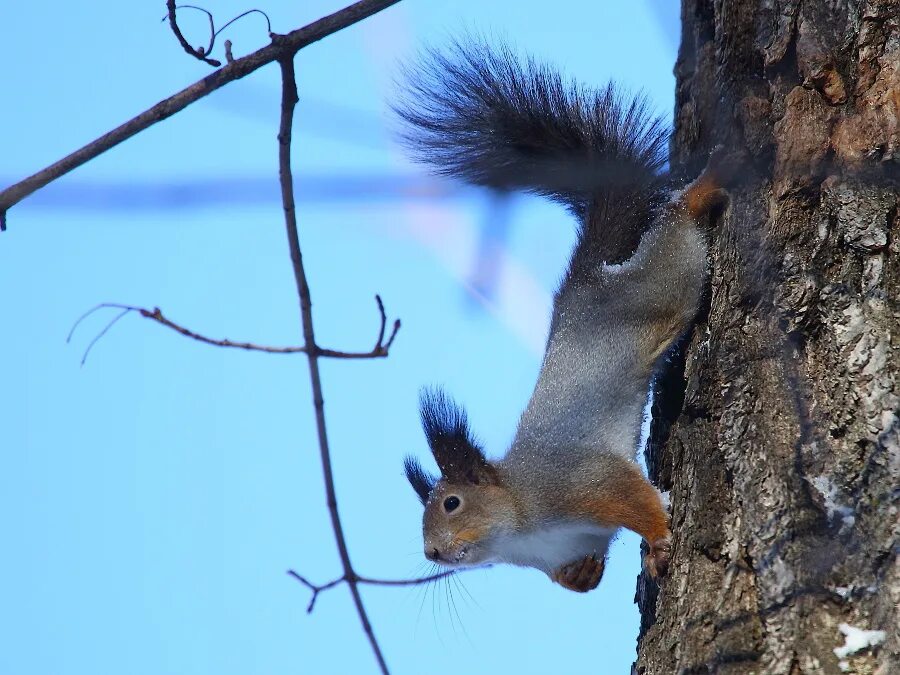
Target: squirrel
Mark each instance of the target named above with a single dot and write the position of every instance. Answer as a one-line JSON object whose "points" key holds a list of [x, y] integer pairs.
{"points": [[632, 287]]}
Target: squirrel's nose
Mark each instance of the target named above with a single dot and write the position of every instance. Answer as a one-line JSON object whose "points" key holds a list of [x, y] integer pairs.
{"points": [[432, 554]]}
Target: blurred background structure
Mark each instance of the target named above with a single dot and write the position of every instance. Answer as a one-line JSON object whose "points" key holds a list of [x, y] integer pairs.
{"points": [[151, 501]]}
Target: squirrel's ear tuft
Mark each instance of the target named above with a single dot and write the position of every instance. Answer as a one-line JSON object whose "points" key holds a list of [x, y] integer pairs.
{"points": [[456, 452], [422, 481]]}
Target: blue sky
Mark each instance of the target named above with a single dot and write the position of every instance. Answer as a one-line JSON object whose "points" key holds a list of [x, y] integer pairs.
{"points": [[152, 500]]}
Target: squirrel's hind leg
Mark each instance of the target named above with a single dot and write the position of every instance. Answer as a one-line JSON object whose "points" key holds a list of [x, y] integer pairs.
{"points": [[582, 575]]}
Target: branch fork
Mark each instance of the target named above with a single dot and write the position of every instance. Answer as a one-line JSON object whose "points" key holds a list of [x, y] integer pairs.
{"points": [[380, 350], [356, 579]]}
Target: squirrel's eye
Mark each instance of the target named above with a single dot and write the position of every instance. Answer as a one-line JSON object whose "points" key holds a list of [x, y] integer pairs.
{"points": [[451, 504]]}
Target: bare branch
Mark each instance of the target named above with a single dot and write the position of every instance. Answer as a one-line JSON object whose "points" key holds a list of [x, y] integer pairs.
{"points": [[282, 46], [288, 103], [282, 50], [363, 580], [380, 350], [203, 54]]}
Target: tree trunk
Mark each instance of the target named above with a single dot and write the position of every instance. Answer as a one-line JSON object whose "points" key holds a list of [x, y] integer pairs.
{"points": [[783, 459]]}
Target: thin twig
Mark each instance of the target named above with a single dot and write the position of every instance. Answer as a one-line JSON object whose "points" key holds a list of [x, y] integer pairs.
{"points": [[380, 350], [241, 16], [288, 102], [113, 321], [281, 46], [315, 589], [196, 53], [363, 580]]}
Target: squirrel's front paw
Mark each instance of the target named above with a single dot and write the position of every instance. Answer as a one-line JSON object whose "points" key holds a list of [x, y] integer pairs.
{"points": [[582, 575], [657, 560]]}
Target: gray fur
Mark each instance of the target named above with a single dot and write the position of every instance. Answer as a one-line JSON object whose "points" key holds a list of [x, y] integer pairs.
{"points": [[609, 331]]}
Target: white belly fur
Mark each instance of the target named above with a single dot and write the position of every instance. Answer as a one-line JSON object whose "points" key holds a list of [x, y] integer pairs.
{"points": [[554, 546]]}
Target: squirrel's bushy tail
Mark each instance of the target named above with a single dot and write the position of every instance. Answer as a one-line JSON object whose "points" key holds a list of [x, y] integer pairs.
{"points": [[491, 118]]}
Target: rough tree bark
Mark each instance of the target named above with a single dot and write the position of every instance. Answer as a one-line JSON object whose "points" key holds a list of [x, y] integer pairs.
{"points": [[783, 459]]}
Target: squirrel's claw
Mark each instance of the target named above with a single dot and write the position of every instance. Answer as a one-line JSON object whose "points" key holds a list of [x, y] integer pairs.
{"points": [[580, 576], [657, 560]]}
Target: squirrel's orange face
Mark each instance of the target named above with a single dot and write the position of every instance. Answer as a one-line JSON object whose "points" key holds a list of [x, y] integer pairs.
{"points": [[468, 510], [463, 522]]}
